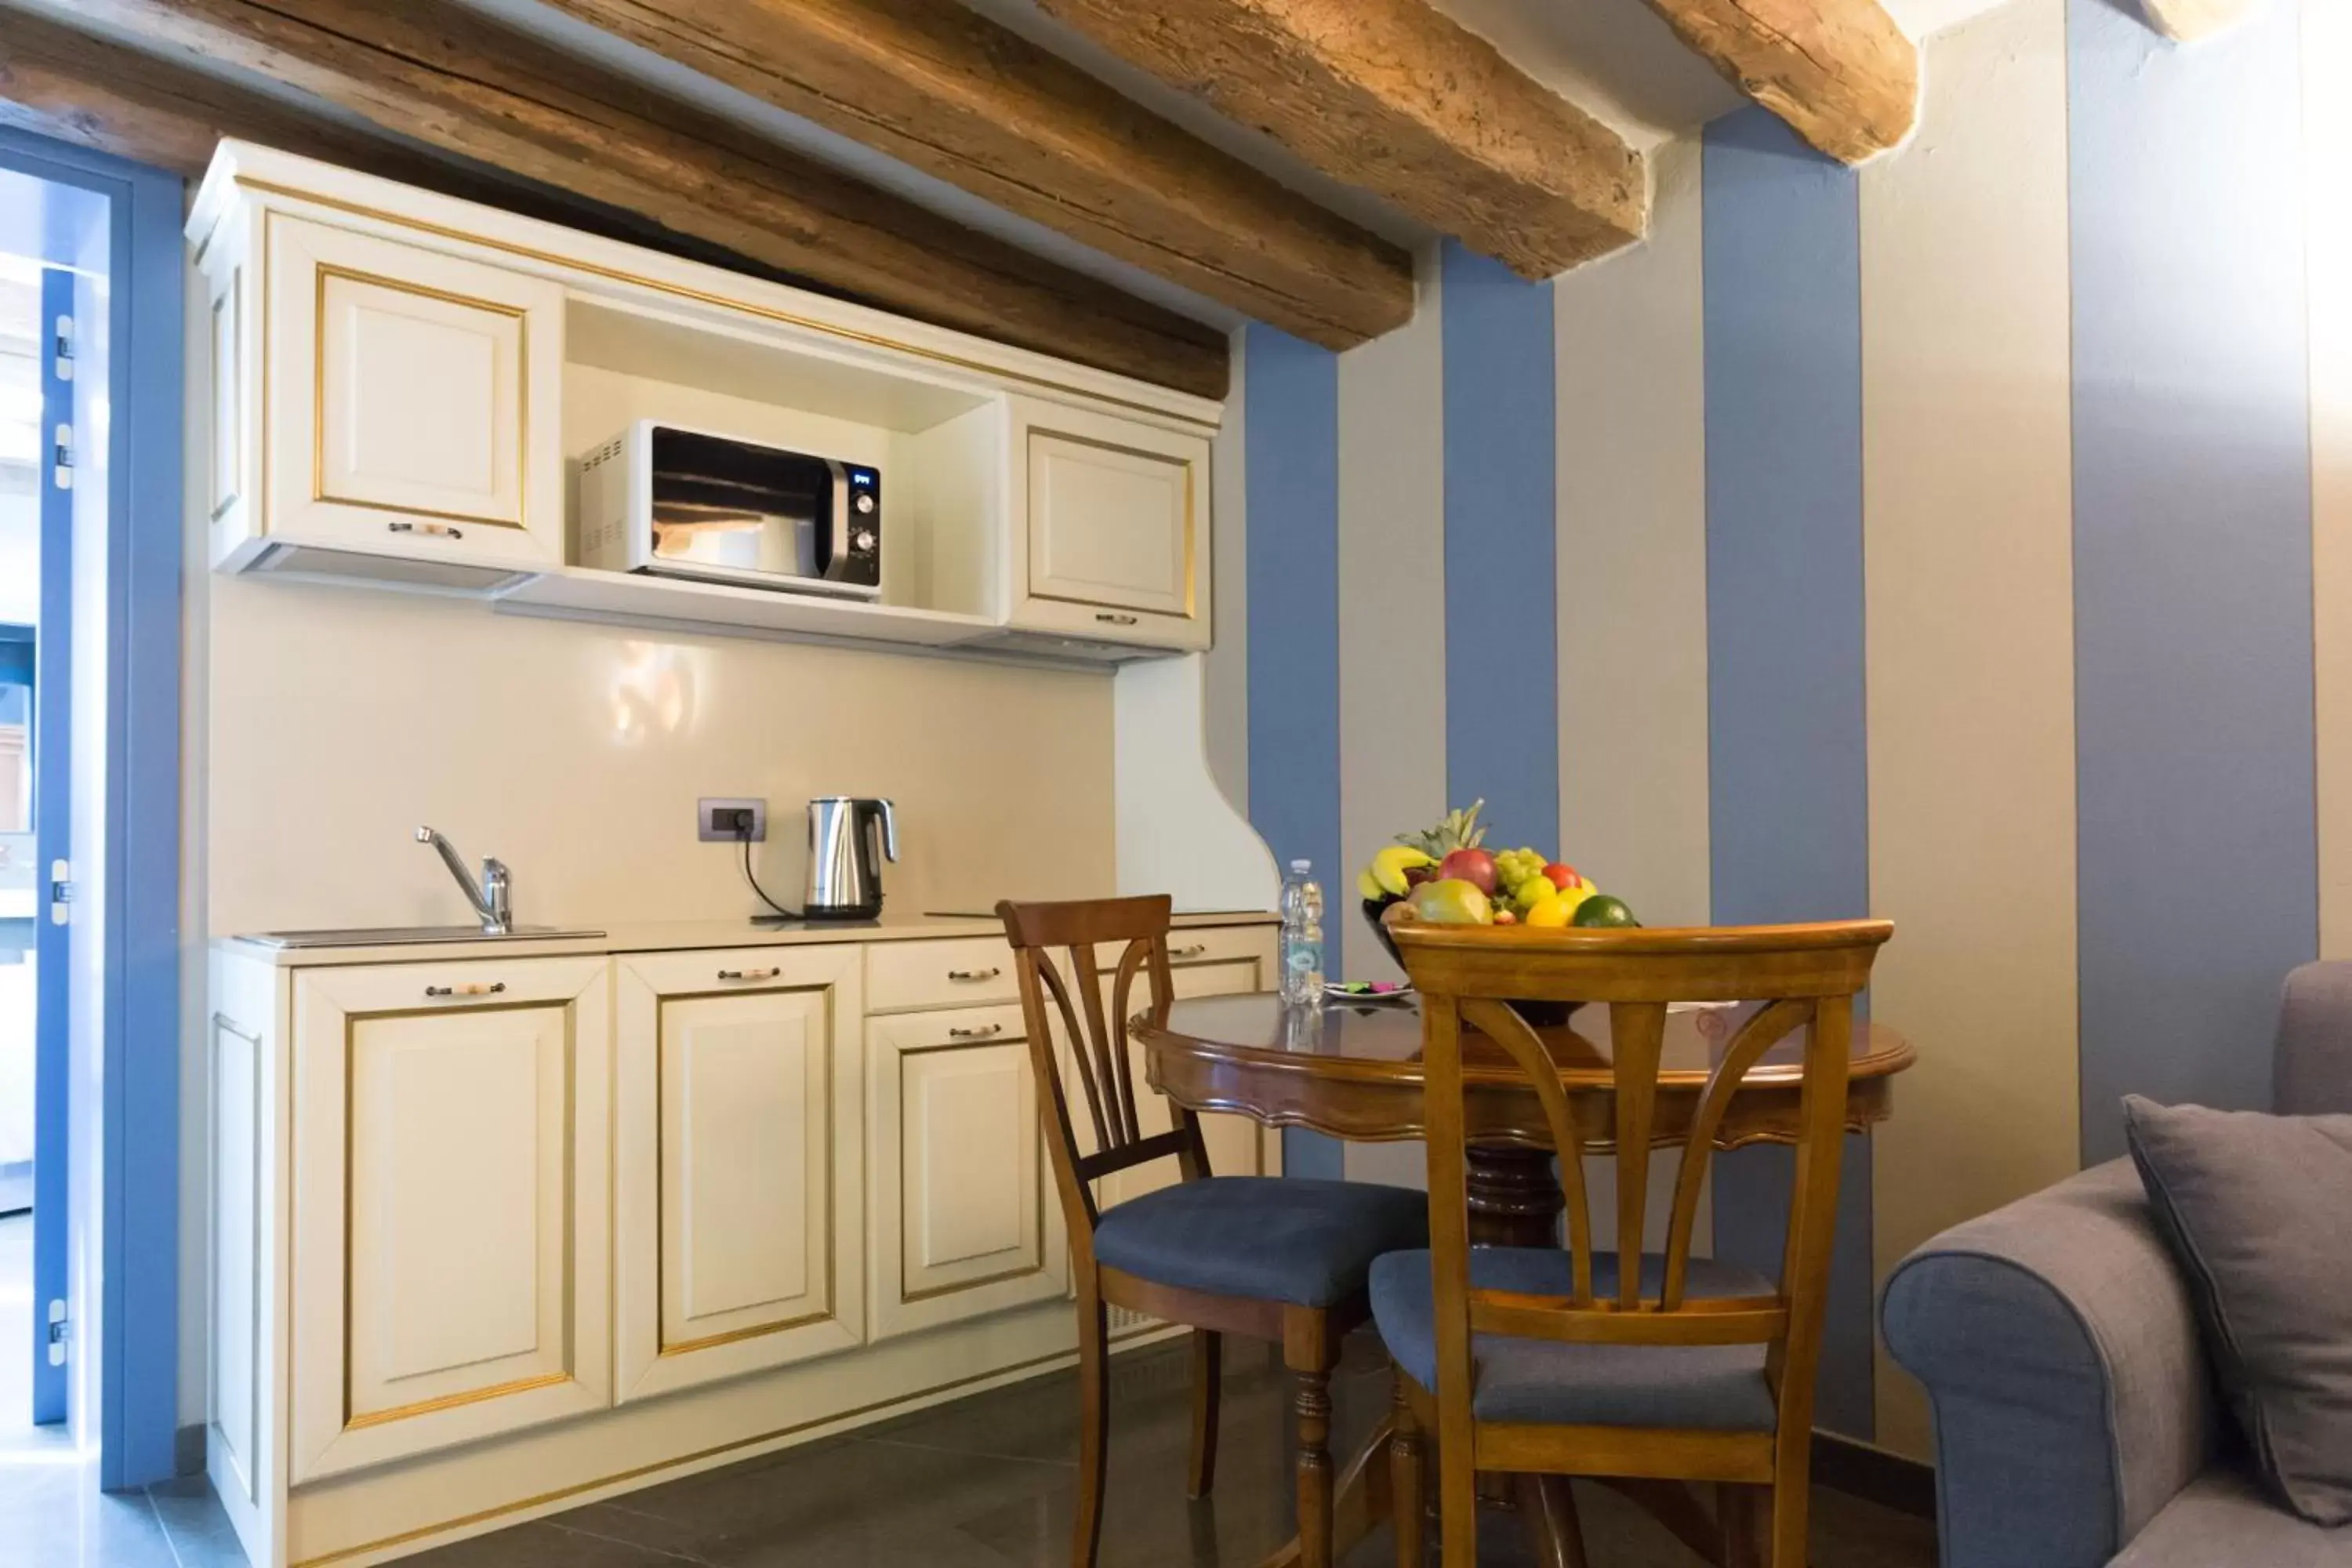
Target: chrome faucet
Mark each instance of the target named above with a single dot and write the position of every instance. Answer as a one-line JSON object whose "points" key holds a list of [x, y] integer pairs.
{"points": [[493, 900]]}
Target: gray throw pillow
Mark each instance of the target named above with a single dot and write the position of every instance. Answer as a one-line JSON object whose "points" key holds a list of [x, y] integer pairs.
{"points": [[2258, 1210]]}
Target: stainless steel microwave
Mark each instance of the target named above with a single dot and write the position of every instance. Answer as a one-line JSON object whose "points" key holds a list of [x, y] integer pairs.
{"points": [[677, 502]]}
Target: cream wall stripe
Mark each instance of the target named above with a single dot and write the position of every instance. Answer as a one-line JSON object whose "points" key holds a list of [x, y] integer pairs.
{"points": [[2327, 185], [1391, 634], [1970, 620], [1227, 675], [1631, 356], [1632, 558]]}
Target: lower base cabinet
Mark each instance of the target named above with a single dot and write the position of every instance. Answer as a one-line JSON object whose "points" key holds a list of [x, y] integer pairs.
{"points": [[738, 1181], [495, 1230], [449, 1220]]}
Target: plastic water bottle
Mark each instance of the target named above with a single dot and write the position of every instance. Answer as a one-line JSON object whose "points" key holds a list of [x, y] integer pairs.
{"points": [[1302, 936]]}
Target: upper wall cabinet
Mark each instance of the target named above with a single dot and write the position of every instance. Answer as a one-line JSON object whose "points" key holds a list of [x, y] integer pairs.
{"points": [[1116, 542], [406, 388]]}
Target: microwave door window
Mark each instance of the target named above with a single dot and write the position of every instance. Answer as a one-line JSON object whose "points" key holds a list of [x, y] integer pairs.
{"points": [[721, 503]]}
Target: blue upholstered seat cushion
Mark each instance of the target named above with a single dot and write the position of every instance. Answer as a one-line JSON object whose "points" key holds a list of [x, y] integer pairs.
{"points": [[1710, 1387], [1272, 1238]]}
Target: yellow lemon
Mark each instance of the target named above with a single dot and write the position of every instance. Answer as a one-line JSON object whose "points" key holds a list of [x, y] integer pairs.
{"points": [[1547, 914]]}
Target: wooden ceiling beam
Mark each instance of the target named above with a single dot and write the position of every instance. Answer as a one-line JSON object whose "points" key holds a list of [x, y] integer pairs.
{"points": [[955, 95], [1839, 72], [466, 86], [1400, 100]]}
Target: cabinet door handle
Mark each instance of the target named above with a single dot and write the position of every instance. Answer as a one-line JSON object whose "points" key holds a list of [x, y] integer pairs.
{"points": [[768, 974], [1106, 616], [1193, 950], [970, 975], [977, 1032], [476, 988], [431, 529]]}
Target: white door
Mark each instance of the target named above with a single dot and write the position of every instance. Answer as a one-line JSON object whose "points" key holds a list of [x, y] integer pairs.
{"points": [[1116, 528], [411, 399], [965, 1218], [738, 1180], [450, 1222]]}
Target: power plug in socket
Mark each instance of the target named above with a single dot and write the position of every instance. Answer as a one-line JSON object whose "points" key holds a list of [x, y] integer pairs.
{"points": [[719, 821]]}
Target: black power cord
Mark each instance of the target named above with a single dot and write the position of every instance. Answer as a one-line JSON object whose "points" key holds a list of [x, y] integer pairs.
{"points": [[743, 835]]}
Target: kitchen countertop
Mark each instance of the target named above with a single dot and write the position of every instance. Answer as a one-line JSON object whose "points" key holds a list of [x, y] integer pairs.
{"points": [[657, 936]]}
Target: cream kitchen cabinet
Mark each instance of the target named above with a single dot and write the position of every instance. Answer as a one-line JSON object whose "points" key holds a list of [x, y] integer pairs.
{"points": [[1110, 539], [382, 408], [449, 1222], [739, 1156], [965, 1218]]}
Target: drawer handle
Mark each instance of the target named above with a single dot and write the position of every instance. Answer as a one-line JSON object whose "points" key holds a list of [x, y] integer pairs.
{"points": [[431, 530], [970, 974], [1105, 616], [477, 988], [1192, 950], [977, 1032], [768, 974]]}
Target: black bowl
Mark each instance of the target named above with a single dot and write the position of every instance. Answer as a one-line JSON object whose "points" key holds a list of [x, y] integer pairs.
{"points": [[1538, 1014]]}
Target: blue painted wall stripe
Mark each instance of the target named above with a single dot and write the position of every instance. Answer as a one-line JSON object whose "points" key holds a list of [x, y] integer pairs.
{"points": [[1502, 673], [2192, 557], [1787, 768], [1291, 413]]}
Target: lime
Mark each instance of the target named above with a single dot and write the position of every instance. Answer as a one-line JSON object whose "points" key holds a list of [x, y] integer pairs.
{"points": [[1603, 909]]}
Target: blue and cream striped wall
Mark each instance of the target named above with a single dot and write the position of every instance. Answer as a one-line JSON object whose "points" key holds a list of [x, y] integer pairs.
{"points": [[1966, 538]]}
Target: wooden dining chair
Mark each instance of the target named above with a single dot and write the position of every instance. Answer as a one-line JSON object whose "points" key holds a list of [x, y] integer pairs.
{"points": [[1270, 1257], [1647, 1366]]}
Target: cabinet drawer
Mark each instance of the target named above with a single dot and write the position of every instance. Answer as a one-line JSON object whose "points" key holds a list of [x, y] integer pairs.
{"points": [[963, 972], [965, 1220], [1220, 944]]}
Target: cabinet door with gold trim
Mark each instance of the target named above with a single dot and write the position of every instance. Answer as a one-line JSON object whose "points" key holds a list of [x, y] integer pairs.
{"points": [[1112, 526], [738, 1183], [450, 1222], [411, 399], [965, 1219]]}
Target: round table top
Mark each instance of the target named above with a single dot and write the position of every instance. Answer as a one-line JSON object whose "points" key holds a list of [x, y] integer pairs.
{"points": [[1353, 1070]]}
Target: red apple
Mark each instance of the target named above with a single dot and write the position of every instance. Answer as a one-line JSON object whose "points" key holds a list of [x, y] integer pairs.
{"points": [[1473, 866], [1561, 876]]}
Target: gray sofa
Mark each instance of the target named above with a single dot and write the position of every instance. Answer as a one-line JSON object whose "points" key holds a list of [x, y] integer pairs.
{"points": [[2076, 1422]]}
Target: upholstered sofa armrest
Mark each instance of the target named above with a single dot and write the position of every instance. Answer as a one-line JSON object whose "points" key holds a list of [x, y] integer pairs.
{"points": [[2059, 1350]]}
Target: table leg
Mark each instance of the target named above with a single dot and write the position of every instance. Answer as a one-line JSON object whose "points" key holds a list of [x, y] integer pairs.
{"points": [[1515, 1199], [1547, 1509], [1361, 1503]]}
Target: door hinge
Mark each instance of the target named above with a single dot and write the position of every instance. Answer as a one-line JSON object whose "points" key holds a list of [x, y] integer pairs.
{"points": [[61, 891], [65, 355], [64, 455], [60, 1333]]}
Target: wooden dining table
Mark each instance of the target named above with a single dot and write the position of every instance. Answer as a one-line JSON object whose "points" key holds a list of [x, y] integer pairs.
{"points": [[1352, 1070]]}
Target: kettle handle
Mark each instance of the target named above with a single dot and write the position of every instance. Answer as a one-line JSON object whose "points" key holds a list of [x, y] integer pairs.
{"points": [[889, 827]]}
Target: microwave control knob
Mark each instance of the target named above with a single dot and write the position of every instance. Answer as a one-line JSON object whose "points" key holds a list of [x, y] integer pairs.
{"points": [[862, 542], [863, 503]]}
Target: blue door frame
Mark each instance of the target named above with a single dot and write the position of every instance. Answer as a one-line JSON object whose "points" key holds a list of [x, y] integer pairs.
{"points": [[138, 1217], [53, 841]]}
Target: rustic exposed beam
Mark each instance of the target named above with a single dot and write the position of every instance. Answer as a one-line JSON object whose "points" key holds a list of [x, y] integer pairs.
{"points": [[1392, 96], [953, 94], [1844, 75], [464, 85]]}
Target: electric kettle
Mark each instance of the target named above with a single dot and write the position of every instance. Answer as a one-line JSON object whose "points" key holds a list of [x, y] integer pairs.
{"points": [[845, 856]]}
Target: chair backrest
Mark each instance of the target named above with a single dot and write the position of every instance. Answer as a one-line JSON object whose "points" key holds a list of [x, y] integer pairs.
{"points": [[1805, 977], [2312, 1071], [1096, 1029]]}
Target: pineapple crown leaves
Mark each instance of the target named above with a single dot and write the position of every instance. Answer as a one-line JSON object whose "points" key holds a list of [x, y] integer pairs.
{"points": [[1459, 830]]}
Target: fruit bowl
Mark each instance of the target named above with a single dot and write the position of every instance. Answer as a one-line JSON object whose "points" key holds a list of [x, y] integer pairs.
{"points": [[1538, 1014]]}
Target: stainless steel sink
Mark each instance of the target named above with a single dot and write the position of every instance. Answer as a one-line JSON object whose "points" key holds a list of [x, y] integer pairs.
{"points": [[397, 936]]}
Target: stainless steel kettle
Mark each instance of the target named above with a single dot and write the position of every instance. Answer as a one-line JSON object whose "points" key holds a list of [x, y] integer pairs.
{"points": [[845, 856]]}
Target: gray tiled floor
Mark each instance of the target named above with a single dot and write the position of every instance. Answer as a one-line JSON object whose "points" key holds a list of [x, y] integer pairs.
{"points": [[987, 1482], [52, 1514]]}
